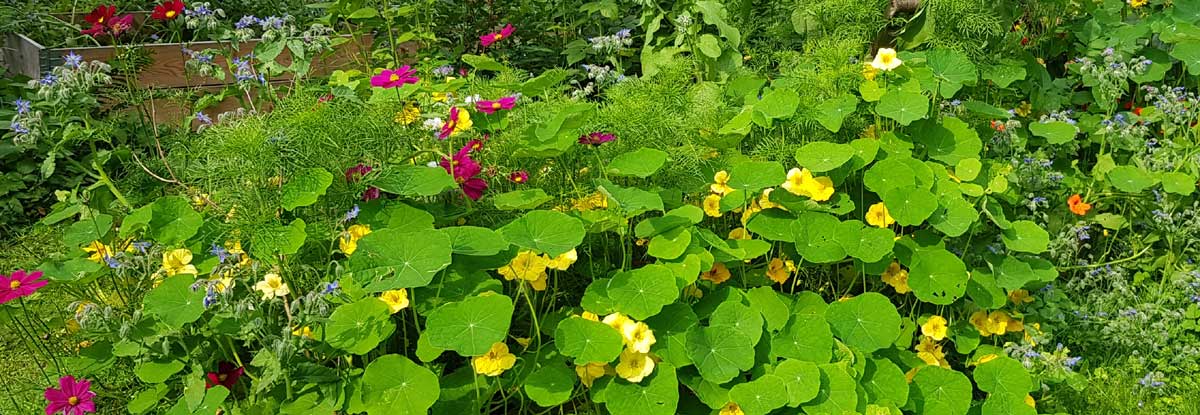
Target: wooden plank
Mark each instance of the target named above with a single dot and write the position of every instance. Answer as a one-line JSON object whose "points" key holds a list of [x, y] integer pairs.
{"points": [[22, 55]]}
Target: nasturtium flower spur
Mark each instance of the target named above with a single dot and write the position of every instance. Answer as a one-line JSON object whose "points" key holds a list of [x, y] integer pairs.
{"points": [[718, 274], [935, 328], [392, 78], [20, 284], [720, 184], [491, 38], [495, 361], [348, 242], [395, 299], [73, 397], [490, 107], [634, 366], [878, 216], [272, 286], [168, 10], [178, 261], [712, 205], [1077, 205], [886, 60], [801, 182], [226, 375], [897, 278]]}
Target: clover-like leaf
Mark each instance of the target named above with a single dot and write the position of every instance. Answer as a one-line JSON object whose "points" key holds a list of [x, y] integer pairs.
{"points": [[868, 322], [470, 326]]}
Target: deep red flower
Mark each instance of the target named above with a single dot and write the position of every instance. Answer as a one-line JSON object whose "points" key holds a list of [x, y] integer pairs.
{"points": [[357, 172], [168, 10], [101, 15], [371, 194], [596, 138], [226, 375], [519, 177]]}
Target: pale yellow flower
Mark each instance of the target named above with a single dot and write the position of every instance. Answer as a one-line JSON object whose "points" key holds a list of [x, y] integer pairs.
{"points": [[617, 320], [801, 182], [638, 336], [562, 262], [348, 243], [590, 372], [495, 361], [935, 327], [886, 60], [526, 266], [931, 353], [878, 215], [590, 316], [634, 366], [395, 299], [178, 261], [731, 408], [720, 183], [712, 205], [272, 286]]}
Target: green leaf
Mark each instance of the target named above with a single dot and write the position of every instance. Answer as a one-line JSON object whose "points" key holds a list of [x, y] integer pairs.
{"points": [[483, 63], [521, 199], [910, 205], [951, 69], [551, 384], [388, 259], [777, 104], [1014, 273], [542, 83], [868, 322], [816, 236], [475, 241], [838, 393], [888, 174], [867, 243], [360, 326], [709, 46], [737, 318], [772, 225], [393, 384], [157, 371], [802, 380], [760, 396], [983, 290], [174, 302], [642, 163], [718, 353], [1178, 183], [752, 176], [363, 13], [587, 341], [411, 180], [1005, 73], [885, 382], [1003, 375], [268, 242], [642, 292], [1006, 404], [1188, 52], [987, 110], [87, 230], [769, 303], [938, 391], [832, 112], [549, 232], [629, 201], [471, 326], [173, 220], [147, 399], [823, 156], [1055, 132], [669, 245], [904, 107], [806, 337], [1130, 179], [303, 188], [937, 276], [954, 217], [1026, 236], [949, 141], [657, 394]]}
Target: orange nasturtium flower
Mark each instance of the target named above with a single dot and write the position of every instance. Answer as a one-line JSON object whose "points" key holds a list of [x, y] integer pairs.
{"points": [[1077, 205]]}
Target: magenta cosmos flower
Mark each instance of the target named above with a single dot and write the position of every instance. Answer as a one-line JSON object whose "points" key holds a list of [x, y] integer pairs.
{"points": [[71, 398], [226, 375], [596, 138], [519, 177], [357, 172], [466, 171], [392, 78], [490, 107], [457, 117], [20, 284], [490, 38]]}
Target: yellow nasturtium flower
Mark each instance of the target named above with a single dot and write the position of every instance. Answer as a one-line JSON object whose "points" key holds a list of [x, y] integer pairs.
{"points": [[98, 251], [178, 261], [712, 206], [348, 243], [590, 372], [935, 328], [878, 215], [495, 361], [617, 320], [1137, 3], [1019, 297], [526, 266], [304, 332], [720, 183], [896, 277], [886, 60], [994, 323], [638, 336], [272, 286], [765, 202], [931, 353], [739, 233], [801, 182], [718, 274], [634, 366], [562, 262], [779, 270], [731, 408], [395, 299]]}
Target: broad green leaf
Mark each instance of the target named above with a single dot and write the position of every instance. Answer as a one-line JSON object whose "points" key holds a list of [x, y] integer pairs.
{"points": [[868, 322], [987, 110], [174, 302], [587, 341], [1004, 73], [760, 396], [738, 318], [470, 326], [393, 384], [951, 69], [937, 276], [549, 232], [521, 199], [885, 382], [394, 214], [537, 86], [669, 245], [910, 205], [388, 259], [91, 229], [1013, 273], [867, 243], [752, 176], [657, 394], [768, 303], [629, 201], [1055, 132], [832, 112], [412, 180], [802, 380], [888, 174], [838, 393], [949, 140], [642, 163], [1188, 51], [1003, 375], [719, 353], [360, 326], [954, 217], [304, 187], [938, 391], [1178, 183], [777, 104], [1130, 179], [806, 337], [642, 292], [904, 107], [1007, 404], [823, 156], [483, 63], [816, 235], [709, 45], [983, 290], [1026, 236], [772, 225], [474, 240], [173, 220], [147, 399], [157, 371], [551, 384]]}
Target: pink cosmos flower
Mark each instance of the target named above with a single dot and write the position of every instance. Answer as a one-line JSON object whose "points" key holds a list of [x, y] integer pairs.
{"points": [[20, 284], [372, 193], [519, 177], [357, 172], [490, 38], [596, 138], [392, 78], [490, 107], [71, 398], [121, 24], [464, 169], [451, 124], [474, 188]]}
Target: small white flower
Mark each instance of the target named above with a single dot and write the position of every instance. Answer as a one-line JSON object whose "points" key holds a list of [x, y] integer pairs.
{"points": [[434, 124]]}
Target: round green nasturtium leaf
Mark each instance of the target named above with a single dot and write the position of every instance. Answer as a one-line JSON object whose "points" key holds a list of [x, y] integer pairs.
{"points": [[1178, 183], [760, 396], [474, 240], [816, 236], [1026, 236], [360, 326], [885, 382], [642, 292], [954, 217], [1006, 404], [412, 180], [732, 315], [551, 384], [778, 103], [171, 220], [719, 353], [521, 199], [938, 391], [174, 302], [587, 341], [888, 174], [670, 244], [304, 187], [752, 176], [642, 162], [910, 205], [392, 384], [772, 225], [549, 232], [968, 169], [868, 322], [1131, 179], [470, 326], [1055, 132], [157, 371], [1003, 375], [805, 337], [832, 112], [951, 70], [984, 292], [904, 107], [867, 243], [823, 156], [1013, 273], [802, 380], [628, 201], [838, 393], [657, 394], [397, 258], [395, 214], [770, 304], [949, 140], [937, 276]]}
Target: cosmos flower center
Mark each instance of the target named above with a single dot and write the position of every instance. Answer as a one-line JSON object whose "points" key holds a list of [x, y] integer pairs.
{"points": [[74, 400], [222, 377], [14, 285], [498, 36], [100, 20], [496, 105], [394, 78], [170, 13]]}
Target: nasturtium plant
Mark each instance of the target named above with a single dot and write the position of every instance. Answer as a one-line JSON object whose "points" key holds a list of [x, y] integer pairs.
{"points": [[304, 187], [471, 326], [360, 326], [867, 322], [395, 258]]}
